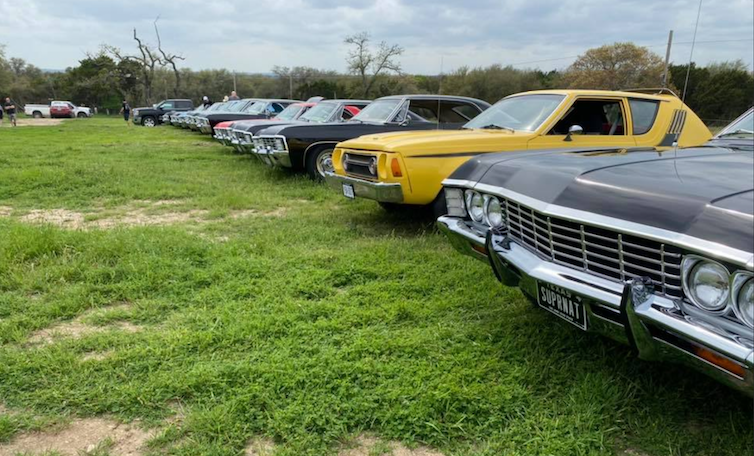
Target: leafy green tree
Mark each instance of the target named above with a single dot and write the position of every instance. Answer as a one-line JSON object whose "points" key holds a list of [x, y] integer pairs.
{"points": [[614, 67]]}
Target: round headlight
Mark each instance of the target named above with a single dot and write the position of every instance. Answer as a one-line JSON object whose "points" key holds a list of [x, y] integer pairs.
{"points": [[475, 205], [493, 213], [745, 303], [708, 285], [373, 166]]}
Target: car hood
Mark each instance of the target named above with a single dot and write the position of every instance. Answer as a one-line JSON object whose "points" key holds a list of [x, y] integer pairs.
{"points": [[704, 192], [427, 142]]}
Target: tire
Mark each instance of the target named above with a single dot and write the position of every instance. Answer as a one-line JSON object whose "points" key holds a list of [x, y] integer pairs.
{"points": [[433, 210], [439, 207], [318, 161], [148, 121], [81, 115], [36, 115]]}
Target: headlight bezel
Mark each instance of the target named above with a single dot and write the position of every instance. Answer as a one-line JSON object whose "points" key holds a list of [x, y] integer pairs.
{"points": [[689, 265], [454, 195], [738, 281], [469, 198], [491, 199]]}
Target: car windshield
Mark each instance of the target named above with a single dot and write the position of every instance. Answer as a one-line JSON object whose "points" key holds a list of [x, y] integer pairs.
{"points": [[290, 112], [235, 106], [320, 113], [378, 111], [256, 107], [524, 112], [742, 127]]}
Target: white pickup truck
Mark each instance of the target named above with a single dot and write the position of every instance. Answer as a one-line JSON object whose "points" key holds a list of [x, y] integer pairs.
{"points": [[59, 109]]}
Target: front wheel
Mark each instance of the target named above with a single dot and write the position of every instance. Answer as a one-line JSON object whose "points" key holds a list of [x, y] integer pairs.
{"points": [[81, 115], [148, 121], [318, 162]]}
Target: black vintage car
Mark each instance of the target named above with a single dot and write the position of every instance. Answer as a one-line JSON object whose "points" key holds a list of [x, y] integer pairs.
{"points": [[327, 111], [149, 117], [254, 109], [309, 146], [652, 248]]}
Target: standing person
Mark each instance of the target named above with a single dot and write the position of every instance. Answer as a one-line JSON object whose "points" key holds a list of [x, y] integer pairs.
{"points": [[126, 110], [1, 116], [10, 109], [206, 101], [233, 96]]}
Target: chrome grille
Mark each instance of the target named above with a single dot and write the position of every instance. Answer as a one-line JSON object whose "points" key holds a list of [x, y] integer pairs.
{"points": [[358, 165], [268, 143], [599, 251]]}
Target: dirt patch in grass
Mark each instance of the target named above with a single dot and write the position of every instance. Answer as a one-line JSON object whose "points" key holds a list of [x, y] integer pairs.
{"points": [[37, 122], [78, 328], [365, 445], [140, 213], [260, 447], [84, 435]]}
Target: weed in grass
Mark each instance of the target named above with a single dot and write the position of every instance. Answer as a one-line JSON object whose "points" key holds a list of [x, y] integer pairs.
{"points": [[327, 320]]}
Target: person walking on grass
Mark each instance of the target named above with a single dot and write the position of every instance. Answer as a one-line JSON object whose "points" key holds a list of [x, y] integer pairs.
{"points": [[126, 110], [10, 108]]}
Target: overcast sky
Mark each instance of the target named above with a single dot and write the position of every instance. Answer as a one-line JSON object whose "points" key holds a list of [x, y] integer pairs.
{"points": [[253, 36]]}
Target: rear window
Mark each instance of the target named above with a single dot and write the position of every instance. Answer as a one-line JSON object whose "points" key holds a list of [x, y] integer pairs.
{"points": [[643, 113]]}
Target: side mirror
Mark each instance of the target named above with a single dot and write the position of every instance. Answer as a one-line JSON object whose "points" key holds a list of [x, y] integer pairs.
{"points": [[574, 130]]}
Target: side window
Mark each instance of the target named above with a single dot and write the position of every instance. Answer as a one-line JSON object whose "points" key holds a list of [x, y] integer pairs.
{"points": [[182, 105], [466, 111], [277, 107], [345, 114], [402, 113], [167, 105], [425, 109], [643, 114], [595, 117]]}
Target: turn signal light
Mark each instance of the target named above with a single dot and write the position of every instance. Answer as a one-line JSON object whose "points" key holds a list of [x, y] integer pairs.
{"points": [[719, 361], [395, 168]]}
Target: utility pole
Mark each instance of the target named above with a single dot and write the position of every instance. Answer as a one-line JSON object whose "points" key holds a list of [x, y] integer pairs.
{"points": [[667, 60], [290, 85], [234, 81]]}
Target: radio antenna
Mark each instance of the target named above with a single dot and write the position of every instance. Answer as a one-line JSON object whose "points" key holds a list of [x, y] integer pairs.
{"points": [[691, 54]]}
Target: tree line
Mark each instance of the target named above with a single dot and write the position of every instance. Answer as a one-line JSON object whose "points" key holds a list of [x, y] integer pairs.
{"points": [[717, 92]]}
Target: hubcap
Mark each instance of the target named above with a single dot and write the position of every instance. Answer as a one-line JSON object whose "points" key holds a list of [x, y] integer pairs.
{"points": [[148, 123], [324, 163]]}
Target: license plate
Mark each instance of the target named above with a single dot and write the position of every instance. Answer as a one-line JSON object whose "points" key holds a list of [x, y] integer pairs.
{"points": [[563, 303], [348, 191]]}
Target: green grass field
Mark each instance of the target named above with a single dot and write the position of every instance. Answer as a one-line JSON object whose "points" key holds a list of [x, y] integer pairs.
{"points": [[151, 276]]}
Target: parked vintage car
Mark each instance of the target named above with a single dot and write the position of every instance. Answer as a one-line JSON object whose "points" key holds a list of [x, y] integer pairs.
{"points": [[408, 168], [327, 111], [39, 111], [651, 247], [255, 109], [180, 119], [310, 146], [196, 121], [149, 117], [224, 130]]}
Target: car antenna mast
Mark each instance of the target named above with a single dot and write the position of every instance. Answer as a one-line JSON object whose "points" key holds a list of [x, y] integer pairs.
{"points": [[686, 83]]}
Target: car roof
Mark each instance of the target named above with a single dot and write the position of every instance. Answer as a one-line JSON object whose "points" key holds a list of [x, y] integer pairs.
{"points": [[597, 93], [424, 96]]}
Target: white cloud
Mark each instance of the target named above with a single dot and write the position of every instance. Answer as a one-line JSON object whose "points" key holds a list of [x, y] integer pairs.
{"points": [[254, 36]]}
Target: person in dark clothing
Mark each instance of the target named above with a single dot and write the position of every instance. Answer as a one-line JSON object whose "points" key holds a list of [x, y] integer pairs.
{"points": [[126, 110], [10, 109], [1, 115], [206, 101]]}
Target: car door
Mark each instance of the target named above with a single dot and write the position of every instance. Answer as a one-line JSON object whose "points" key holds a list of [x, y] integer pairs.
{"points": [[602, 121]]}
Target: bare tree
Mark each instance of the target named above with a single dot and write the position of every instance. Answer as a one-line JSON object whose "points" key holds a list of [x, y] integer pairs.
{"points": [[147, 59], [367, 64], [169, 59]]}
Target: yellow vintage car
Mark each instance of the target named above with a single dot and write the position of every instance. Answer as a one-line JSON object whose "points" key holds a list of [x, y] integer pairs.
{"points": [[408, 168]]}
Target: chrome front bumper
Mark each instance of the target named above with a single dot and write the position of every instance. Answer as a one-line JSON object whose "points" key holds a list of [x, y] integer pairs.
{"points": [[378, 191], [274, 157], [206, 129], [654, 325]]}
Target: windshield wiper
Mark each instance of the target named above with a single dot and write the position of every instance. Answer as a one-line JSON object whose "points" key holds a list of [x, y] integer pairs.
{"points": [[740, 131], [496, 127]]}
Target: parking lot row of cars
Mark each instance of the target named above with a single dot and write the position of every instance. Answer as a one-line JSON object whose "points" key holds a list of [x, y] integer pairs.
{"points": [[617, 211]]}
